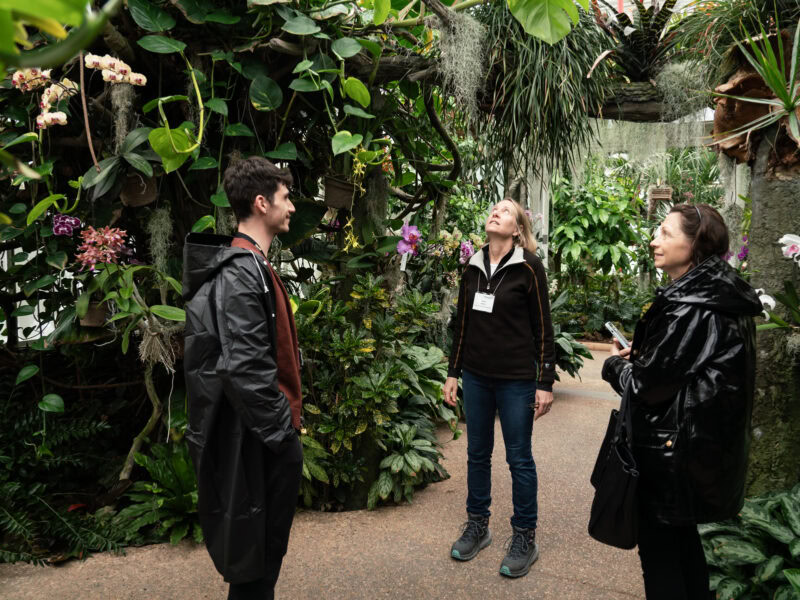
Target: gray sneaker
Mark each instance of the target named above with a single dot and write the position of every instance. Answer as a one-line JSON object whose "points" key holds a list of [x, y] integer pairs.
{"points": [[522, 553], [475, 536]]}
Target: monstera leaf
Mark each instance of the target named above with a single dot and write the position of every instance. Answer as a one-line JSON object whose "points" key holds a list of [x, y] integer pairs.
{"points": [[548, 20]]}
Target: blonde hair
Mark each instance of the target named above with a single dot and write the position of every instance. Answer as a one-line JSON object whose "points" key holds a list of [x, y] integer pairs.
{"points": [[525, 239]]}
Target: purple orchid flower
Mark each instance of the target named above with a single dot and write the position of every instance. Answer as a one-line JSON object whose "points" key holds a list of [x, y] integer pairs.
{"points": [[466, 252], [64, 224], [411, 236]]}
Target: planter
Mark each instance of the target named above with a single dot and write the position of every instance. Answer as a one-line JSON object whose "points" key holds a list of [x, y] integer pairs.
{"points": [[138, 190], [96, 315], [339, 193]]}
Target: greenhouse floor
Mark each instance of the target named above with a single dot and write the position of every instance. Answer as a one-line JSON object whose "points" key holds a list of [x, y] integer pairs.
{"points": [[402, 552]]}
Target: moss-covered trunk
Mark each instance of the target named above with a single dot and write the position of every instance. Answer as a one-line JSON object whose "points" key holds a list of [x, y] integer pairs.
{"points": [[775, 451]]}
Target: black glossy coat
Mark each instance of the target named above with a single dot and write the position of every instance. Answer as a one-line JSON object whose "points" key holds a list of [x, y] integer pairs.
{"points": [[692, 373], [238, 417]]}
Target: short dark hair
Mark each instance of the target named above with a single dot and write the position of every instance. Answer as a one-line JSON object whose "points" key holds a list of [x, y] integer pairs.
{"points": [[247, 178], [704, 226]]}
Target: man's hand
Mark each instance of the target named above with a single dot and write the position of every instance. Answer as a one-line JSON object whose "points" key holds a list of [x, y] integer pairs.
{"points": [[617, 350], [542, 404], [450, 391]]}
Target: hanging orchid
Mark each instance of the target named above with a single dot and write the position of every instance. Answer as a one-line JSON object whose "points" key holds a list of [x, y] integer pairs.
{"points": [[410, 239]]}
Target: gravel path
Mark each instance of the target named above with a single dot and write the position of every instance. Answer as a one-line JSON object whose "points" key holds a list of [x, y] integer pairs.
{"points": [[401, 552]]}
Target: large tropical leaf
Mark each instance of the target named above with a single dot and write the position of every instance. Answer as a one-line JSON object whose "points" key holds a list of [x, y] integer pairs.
{"points": [[548, 20]]}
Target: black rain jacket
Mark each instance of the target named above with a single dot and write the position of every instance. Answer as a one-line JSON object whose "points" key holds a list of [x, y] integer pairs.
{"points": [[238, 417], [692, 373]]}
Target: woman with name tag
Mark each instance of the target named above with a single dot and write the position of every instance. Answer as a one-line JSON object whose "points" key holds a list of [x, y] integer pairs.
{"points": [[503, 350], [691, 370]]}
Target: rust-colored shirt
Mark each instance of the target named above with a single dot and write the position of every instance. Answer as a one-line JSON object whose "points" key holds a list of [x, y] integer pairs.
{"points": [[287, 347]]}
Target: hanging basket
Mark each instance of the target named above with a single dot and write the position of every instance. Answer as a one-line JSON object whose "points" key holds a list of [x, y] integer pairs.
{"points": [[339, 193], [96, 315]]}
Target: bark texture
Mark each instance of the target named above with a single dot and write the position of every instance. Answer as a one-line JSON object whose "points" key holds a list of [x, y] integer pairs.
{"points": [[775, 451]]}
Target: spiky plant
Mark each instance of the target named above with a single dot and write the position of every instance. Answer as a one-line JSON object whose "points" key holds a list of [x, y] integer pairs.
{"points": [[537, 95], [642, 45]]}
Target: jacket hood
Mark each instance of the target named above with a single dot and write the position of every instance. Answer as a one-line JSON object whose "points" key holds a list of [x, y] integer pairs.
{"points": [[203, 254], [714, 284]]}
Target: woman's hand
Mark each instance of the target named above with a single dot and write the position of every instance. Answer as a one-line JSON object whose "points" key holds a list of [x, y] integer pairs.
{"points": [[450, 391], [542, 403], [617, 350]]}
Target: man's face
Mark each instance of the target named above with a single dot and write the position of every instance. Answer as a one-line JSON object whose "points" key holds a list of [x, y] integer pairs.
{"points": [[280, 211]]}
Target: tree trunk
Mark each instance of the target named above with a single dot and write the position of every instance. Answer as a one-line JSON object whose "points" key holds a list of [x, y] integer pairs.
{"points": [[775, 450]]}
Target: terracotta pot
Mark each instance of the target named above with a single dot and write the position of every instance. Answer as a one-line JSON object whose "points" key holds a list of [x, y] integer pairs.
{"points": [[339, 193], [96, 315]]}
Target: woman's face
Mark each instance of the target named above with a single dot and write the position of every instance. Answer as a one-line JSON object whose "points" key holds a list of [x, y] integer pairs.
{"points": [[672, 250], [502, 220]]}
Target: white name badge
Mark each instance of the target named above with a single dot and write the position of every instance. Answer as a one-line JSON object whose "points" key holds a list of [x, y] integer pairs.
{"points": [[483, 302]]}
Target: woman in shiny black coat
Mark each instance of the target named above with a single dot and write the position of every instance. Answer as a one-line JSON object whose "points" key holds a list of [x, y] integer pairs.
{"points": [[691, 369]]}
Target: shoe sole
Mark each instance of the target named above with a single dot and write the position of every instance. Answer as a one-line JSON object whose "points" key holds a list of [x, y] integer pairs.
{"points": [[455, 553], [506, 572]]}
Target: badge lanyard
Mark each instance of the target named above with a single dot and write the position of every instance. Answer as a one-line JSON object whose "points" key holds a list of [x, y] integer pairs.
{"points": [[484, 302]]}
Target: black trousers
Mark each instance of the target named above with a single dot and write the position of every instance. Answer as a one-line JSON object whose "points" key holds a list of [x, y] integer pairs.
{"points": [[673, 564], [282, 476]]}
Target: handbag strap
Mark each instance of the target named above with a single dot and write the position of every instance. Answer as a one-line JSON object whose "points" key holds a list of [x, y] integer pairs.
{"points": [[625, 419]]}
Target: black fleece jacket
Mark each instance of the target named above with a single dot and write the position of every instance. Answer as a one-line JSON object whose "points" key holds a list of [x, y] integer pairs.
{"points": [[515, 340]]}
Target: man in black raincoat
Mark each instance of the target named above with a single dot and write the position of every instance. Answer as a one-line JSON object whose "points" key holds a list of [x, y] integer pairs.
{"points": [[243, 377]]}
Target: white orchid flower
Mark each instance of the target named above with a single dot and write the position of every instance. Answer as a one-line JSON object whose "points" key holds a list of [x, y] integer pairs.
{"points": [[790, 246], [767, 302]]}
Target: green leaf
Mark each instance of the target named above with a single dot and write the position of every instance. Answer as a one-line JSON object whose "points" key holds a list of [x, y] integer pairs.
{"points": [[238, 129], [149, 17], [357, 112], [70, 12], [163, 100], [26, 373], [108, 168], [170, 313], [44, 281], [41, 207], [203, 223], [57, 260], [223, 16], [218, 105], [307, 216], [220, 198], [287, 151], [139, 162], [344, 141], [346, 47], [161, 45], [300, 25], [265, 94], [381, 11], [793, 575], [23, 311], [52, 403], [172, 152], [25, 137], [548, 20], [135, 139], [204, 162], [356, 90], [304, 85], [303, 65], [389, 244]]}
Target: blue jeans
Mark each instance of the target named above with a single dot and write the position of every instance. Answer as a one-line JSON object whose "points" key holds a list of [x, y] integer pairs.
{"points": [[513, 399]]}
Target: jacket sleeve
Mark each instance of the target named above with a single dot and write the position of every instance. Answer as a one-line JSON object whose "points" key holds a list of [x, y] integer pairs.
{"points": [[669, 358], [459, 331], [246, 368], [544, 346]]}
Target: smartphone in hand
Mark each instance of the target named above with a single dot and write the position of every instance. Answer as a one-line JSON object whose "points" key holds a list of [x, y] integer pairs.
{"points": [[617, 334]]}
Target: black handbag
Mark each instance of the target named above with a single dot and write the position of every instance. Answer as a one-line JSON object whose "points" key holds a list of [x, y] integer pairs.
{"points": [[614, 518]]}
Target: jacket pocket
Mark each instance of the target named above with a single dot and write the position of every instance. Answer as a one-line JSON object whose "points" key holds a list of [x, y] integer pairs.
{"points": [[661, 483]]}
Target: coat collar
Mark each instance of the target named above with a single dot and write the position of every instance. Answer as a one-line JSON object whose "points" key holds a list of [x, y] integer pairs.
{"points": [[477, 260]]}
